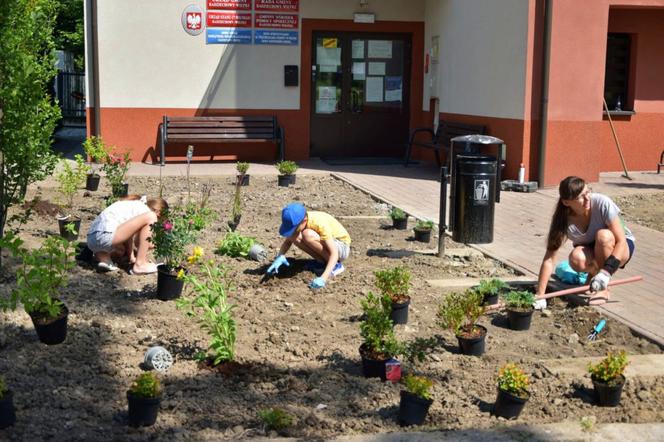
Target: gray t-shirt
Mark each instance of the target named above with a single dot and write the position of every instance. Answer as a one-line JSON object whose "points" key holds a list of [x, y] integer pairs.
{"points": [[602, 212]]}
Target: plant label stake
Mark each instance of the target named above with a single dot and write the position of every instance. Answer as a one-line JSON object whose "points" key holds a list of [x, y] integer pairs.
{"points": [[393, 370], [190, 155]]}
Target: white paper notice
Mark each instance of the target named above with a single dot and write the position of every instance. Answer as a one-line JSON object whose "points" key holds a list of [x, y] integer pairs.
{"points": [[376, 68], [327, 100], [374, 90], [359, 71], [328, 56], [358, 48], [380, 49], [393, 89]]}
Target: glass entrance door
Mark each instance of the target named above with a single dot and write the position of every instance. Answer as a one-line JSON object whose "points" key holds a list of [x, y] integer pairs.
{"points": [[360, 95]]}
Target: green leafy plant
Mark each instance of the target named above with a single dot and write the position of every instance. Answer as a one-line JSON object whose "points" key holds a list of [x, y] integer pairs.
{"points": [[418, 385], [42, 273], [459, 312], [512, 379], [176, 229], [424, 225], [275, 418], [519, 299], [377, 329], [70, 179], [115, 167], [146, 385], [3, 387], [610, 369], [210, 306], [394, 282], [95, 148], [235, 245], [588, 423], [286, 167], [242, 167], [397, 214], [491, 287]]}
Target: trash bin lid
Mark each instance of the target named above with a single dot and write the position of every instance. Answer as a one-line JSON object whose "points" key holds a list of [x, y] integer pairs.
{"points": [[481, 139]]}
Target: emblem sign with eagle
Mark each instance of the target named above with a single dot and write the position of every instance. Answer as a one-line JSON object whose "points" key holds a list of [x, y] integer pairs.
{"points": [[192, 20]]}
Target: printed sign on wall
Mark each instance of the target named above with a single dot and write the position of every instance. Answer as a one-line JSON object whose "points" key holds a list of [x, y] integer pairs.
{"points": [[277, 5], [229, 5], [267, 37], [276, 21], [229, 19], [192, 20], [228, 36]]}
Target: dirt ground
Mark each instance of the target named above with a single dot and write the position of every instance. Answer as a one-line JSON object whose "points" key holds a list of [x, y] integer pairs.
{"points": [[646, 209], [298, 348]]}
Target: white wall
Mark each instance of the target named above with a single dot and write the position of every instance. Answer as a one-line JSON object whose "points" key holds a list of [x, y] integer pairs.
{"points": [[482, 57], [147, 60]]}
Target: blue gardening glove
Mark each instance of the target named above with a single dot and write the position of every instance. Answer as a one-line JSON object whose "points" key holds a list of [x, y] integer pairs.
{"points": [[278, 262], [600, 281], [317, 283]]}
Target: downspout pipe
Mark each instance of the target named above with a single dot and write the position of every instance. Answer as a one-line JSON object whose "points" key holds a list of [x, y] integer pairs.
{"points": [[544, 111], [95, 70]]}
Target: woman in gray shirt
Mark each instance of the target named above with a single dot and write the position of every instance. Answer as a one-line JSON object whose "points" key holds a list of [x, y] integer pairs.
{"points": [[602, 242]]}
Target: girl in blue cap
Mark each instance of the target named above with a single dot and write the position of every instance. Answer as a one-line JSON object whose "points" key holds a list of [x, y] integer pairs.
{"points": [[318, 234]]}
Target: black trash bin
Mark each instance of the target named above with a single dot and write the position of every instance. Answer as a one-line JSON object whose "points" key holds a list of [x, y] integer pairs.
{"points": [[475, 178]]}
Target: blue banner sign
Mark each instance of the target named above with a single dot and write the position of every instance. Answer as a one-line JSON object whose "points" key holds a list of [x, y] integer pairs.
{"points": [[266, 37], [228, 36]]}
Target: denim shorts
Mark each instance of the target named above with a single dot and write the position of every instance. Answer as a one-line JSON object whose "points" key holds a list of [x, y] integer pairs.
{"points": [[100, 241], [630, 246], [343, 249]]}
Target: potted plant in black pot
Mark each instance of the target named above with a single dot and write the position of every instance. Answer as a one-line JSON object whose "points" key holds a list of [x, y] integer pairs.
{"points": [[399, 218], [491, 289], [608, 378], [70, 179], [459, 312], [143, 398], [115, 168], [519, 306], [242, 176], [395, 283], [287, 171], [97, 151], [512, 392], [415, 400], [422, 230], [42, 274], [7, 412], [377, 331]]}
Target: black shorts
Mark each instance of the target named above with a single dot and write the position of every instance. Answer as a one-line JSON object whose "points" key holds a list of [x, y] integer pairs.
{"points": [[630, 246]]}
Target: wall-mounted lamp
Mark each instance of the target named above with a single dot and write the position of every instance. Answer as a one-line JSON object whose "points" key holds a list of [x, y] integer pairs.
{"points": [[364, 3]]}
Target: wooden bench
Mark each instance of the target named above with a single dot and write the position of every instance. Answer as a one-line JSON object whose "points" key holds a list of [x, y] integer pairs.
{"points": [[222, 129], [440, 140]]}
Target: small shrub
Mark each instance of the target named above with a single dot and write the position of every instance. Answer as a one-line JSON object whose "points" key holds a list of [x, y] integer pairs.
{"points": [[610, 369], [3, 387], [513, 380], [95, 148], [491, 287], [424, 225], [242, 167], [146, 386], [70, 179], [275, 418], [377, 328], [286, 167], [235, 245], [116, 167], [397, 214], [588, 423], [394, 282], [419, 386], [459, 312], [519, 299]]}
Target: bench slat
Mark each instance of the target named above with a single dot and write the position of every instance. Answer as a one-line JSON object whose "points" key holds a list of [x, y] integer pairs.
{"points": [[217, 130], [220, 136], [217, 124], [220, 118]]}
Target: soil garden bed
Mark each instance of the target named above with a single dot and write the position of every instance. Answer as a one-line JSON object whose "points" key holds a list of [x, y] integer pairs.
{"points": [[297, 349]]}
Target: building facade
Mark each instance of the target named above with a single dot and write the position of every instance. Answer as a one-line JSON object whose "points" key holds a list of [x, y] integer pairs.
{"points": [[351, 78]]}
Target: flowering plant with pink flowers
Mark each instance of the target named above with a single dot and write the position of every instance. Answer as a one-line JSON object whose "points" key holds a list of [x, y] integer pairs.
{"points": [[115, 167], [176, 229]]}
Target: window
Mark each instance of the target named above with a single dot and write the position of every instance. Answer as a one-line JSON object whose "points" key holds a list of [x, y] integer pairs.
{"points": [[616, 76]]}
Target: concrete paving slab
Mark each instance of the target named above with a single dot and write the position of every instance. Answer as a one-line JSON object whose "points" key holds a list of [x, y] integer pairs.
{"points": [[639, 365], [456, 283]]}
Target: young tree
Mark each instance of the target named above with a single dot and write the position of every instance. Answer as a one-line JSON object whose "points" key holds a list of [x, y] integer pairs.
{"points": [[28, 114], [68, 32]]}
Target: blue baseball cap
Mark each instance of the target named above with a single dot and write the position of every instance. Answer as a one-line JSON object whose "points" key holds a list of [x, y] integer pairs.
{"points": [[291, 217]]}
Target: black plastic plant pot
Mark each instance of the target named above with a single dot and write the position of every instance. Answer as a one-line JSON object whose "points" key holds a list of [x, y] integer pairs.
{"points": [[234, 222], [7, 411], [422, 235], [51, 331], [286, 180], [519, 319], [168, 285], [400, 224], [120, 191], [413, 409], [244, 178], [473, 346], [372, 368], [399, 313], [64, 232], [490, 299], [142, 411], [608, 395], [92, 182], [508, 405]]}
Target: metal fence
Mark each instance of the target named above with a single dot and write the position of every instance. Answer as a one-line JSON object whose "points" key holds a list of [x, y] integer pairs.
{"points": [[70, 91]]}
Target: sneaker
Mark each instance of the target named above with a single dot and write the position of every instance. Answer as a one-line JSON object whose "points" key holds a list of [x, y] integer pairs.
{"points": [[339, 268], [104, 267]]}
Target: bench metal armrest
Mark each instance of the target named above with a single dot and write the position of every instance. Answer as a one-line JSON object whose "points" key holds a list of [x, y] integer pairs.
{"points": [[415, 131]]}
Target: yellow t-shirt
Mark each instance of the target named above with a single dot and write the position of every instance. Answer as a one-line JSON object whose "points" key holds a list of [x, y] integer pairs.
{"points": [[327, 226]]}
